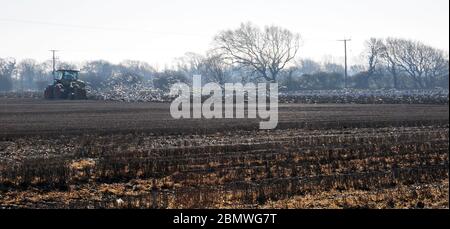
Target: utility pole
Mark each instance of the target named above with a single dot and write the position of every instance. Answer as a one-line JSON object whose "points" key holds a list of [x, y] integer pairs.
{"points": [[345, 60], [54, 61]]}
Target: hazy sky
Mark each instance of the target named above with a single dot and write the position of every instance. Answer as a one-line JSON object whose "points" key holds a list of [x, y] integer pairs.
{"points": [[157, 31]]}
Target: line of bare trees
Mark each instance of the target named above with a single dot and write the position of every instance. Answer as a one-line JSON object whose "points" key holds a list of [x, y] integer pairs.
{"points": [[251, 53], [422, 65]]}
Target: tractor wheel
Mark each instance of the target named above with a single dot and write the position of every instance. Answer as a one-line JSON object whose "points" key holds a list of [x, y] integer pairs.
{"points": [[48, 93], [82, 94], [79, 94], [58, 91]]}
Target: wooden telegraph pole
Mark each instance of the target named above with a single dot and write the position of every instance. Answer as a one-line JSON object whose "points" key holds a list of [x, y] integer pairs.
{"points": [[345, 60]]}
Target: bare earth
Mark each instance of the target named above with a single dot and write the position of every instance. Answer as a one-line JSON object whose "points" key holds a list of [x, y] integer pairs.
{"points": [[38, 117]]}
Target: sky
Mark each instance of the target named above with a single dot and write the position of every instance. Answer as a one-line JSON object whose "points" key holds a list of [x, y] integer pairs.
{"points": [[157, 31]]}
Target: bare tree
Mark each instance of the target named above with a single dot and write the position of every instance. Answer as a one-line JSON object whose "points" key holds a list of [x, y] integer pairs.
{"points": [[422, 64], [303, 66], [436, 66], [308, 66], [29, 73], [97, 72], [332, 67], [190, 63], [215, 68], [137, 68], [7, 67], [266, 51], [373, 53], [389, 56]]}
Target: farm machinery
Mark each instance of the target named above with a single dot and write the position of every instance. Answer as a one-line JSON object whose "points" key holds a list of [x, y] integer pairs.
{"points": [[66, 85]]}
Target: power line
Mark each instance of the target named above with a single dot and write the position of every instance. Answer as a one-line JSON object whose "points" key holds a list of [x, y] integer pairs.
{"points": [[63, 25], [88, 27]]}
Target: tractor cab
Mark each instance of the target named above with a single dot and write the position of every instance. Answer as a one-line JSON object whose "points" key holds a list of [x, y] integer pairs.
{"points": [[66, 76]]}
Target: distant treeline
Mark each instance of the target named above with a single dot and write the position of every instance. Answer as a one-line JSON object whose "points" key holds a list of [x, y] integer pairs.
{"points": [[252, 54]]}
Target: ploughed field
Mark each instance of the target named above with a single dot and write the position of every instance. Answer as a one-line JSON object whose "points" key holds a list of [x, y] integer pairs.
{"points": [[20, 117], [98, 154]]}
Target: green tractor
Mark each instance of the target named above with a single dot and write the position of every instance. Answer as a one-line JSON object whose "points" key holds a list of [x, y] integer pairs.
{"points": [[66, 85]]}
